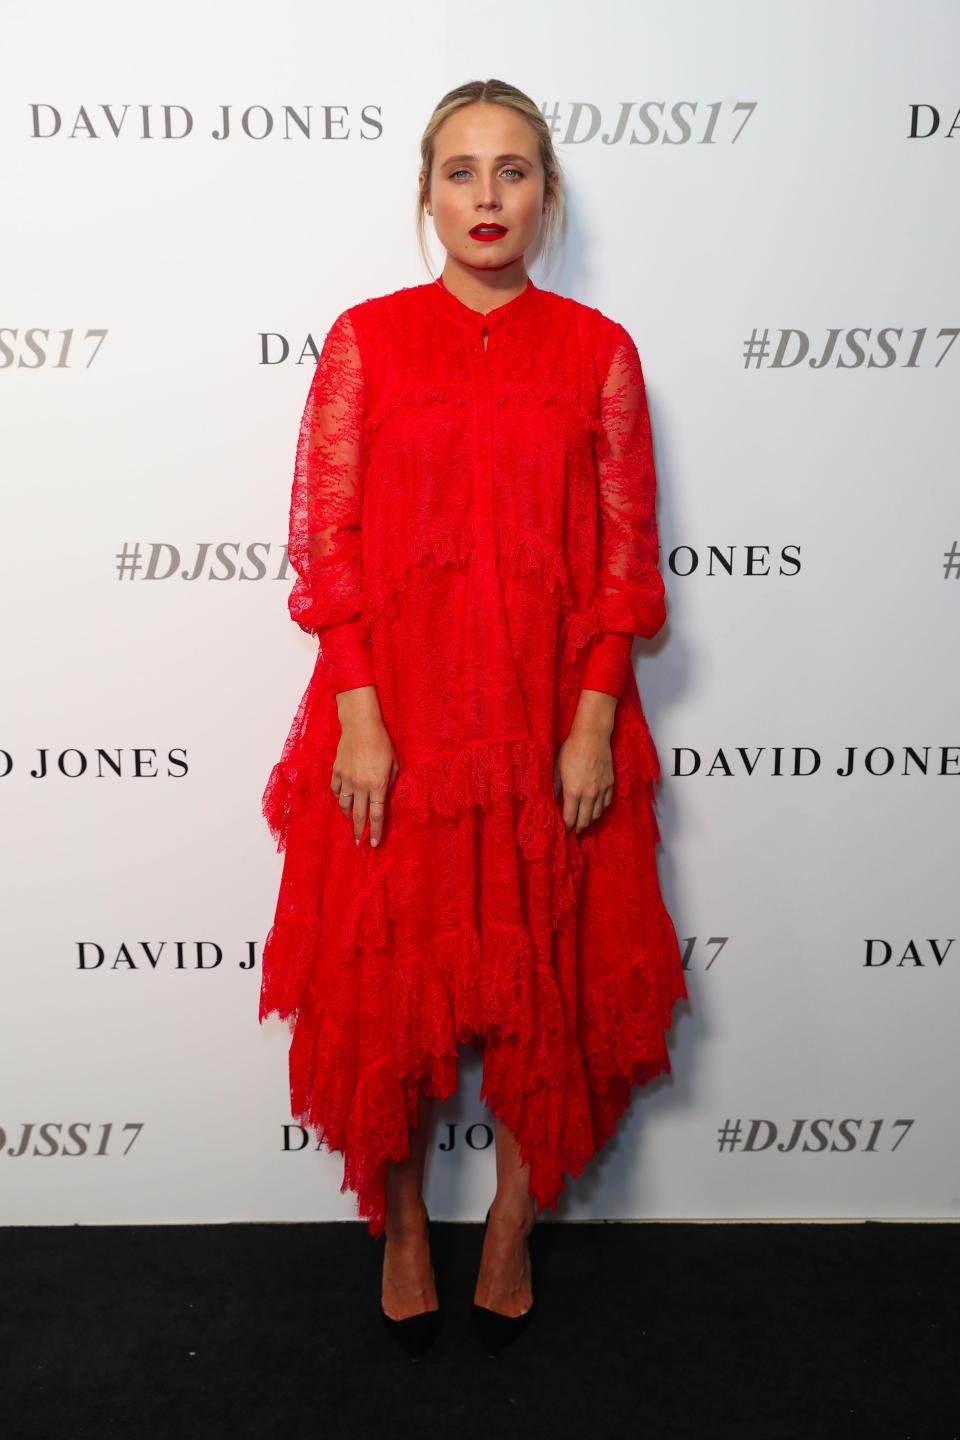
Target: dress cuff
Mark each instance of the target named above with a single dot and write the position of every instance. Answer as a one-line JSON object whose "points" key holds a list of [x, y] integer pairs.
{"points": [[608, 663], [347, 656]]}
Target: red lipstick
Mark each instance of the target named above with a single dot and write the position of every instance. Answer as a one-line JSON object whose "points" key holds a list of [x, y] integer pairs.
{"points": [[488, 232]]}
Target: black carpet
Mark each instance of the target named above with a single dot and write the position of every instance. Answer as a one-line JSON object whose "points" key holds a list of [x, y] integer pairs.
{"points": [[641, 1330]]}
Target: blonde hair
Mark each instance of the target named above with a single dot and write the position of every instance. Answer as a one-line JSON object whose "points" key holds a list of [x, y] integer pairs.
{"points": [[495, 92]]}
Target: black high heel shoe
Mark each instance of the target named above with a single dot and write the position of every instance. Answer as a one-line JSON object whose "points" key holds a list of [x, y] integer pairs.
{"points": [[416, 1333], [494, 1330]]}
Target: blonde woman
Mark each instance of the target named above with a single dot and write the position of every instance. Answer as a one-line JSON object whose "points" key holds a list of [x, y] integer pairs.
{"points": [[466, 797]]}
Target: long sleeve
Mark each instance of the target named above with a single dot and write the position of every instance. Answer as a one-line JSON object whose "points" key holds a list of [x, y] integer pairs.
{"points": [[631, 593], [324, 543]]}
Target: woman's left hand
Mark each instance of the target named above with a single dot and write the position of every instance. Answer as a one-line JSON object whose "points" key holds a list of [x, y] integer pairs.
{"points": [[583, 773]]}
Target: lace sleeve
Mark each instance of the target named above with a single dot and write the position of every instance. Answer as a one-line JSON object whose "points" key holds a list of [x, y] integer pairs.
{"points": [[325, 513], [631, 592]]}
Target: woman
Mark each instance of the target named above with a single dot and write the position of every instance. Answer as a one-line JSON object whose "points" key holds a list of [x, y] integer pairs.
{"points": [[466, 796]]}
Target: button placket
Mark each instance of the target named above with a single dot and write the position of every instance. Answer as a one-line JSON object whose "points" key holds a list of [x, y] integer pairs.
{"points": [[482, 360], [485, 424]]}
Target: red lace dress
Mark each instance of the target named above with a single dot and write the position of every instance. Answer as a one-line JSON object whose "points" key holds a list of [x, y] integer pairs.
{"points": [[472, 528]]}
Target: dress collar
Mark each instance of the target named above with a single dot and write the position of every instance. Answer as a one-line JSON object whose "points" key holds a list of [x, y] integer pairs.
{"points": [[475, 319]]}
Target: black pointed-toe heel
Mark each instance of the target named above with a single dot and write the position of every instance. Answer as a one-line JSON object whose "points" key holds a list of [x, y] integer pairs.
{"points": [[495, 1331], [416, 1333]]}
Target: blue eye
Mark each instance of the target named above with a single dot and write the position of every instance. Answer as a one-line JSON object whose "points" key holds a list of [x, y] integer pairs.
{"points": [[511, 170]]}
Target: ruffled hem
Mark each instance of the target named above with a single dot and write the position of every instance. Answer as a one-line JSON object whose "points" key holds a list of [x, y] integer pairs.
{"points": [[374, 1029], [561, 1117]]}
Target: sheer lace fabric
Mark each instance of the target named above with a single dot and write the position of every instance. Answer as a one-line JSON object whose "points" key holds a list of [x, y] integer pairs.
{"points": [[473, 531]]}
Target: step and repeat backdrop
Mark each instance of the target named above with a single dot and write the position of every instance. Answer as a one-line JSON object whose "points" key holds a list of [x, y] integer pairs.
{"points": [[766, 196]]}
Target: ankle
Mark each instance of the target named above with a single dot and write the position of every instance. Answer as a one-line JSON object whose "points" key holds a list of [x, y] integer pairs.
{"points": [[514, 1210], [406, 1220]]}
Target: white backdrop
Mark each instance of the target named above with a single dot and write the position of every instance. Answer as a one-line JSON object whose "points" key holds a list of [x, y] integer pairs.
{"points": [[163, 302]]}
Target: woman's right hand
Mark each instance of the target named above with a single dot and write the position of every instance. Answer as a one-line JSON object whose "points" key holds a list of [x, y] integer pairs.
{"points": [[366, 764]]}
